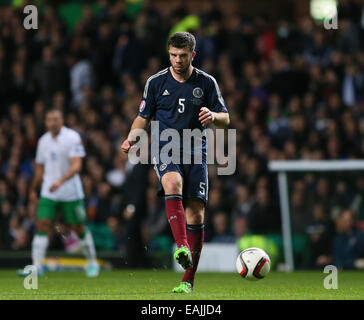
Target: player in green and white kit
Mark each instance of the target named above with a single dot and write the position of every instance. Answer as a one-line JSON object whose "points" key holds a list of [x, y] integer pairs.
{"points": [[57, 166]]}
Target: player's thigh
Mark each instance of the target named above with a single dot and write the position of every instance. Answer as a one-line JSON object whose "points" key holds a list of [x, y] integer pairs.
{"points": [[196, 182], [172, 182], [74, 212], [195, 211], [170, 178], [46, 209]]}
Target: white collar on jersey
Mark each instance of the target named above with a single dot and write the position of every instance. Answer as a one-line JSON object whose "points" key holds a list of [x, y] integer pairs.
{"points": [[59, 133]]}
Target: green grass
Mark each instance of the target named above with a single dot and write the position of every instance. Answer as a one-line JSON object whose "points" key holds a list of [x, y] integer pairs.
{"points": [[157, 285]]}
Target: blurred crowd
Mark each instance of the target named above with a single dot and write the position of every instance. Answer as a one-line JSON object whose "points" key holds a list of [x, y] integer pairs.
{"points": [[293, 89]]}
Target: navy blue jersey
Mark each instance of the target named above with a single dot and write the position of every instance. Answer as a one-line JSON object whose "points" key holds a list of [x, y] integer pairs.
{"points": [[177, 105]]}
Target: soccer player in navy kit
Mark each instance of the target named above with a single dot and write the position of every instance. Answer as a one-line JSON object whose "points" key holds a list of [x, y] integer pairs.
{"points": [[182, 97]]}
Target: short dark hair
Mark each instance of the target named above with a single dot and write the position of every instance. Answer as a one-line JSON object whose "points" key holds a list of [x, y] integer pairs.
{"points": [[182, 40], [54, 110]]}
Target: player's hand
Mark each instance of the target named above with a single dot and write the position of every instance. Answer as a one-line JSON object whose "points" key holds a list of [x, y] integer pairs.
{"points": [[55, 185], [126, 145], [206, 116]]}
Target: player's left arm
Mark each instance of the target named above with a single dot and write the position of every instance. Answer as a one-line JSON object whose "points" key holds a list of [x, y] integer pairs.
{"points": [[219, 119], [215, 112], [75, 167], [75, 154]]}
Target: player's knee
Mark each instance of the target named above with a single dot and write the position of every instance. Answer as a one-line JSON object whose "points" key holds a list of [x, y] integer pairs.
{"points": [[43, 225], [172, 185], [196, 217], [195, 211]]}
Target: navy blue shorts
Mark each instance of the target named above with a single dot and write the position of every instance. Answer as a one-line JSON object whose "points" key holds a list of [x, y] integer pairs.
{"points": [[194, 179]]}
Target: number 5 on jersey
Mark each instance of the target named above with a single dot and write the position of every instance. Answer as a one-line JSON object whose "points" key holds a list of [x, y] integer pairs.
{"points": [[202, 188], [181, 103]]}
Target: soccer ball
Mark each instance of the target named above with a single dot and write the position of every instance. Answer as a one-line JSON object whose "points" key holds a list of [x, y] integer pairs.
{"points": [[253, 264]]}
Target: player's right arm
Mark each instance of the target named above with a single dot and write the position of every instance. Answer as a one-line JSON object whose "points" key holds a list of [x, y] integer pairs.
{"points": [[138, 123], [39, 170], [147, 110], [37, 180]]}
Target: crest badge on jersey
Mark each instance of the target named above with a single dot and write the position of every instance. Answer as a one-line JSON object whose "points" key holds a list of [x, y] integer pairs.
{"points": [[163, 166], [142, 106], [197, 92]]}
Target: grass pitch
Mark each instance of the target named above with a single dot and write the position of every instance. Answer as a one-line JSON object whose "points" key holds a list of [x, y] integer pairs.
{"points": [[157, 285]]}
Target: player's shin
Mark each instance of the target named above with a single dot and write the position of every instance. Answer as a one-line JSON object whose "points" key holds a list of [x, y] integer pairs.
{"points": [[177, 219], [195, 237], [88, 247], [39, 248]]}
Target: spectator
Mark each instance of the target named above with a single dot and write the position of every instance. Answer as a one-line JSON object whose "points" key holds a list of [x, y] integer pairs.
{"points": [[116, 177], [321, 231], [300, 215], [348, 246], [81, 77], [263, 216], [21, 240], [155, 223], [103, 206], [243, 201], [221, 232], [353, 84], [43, 75], [240, 227]]}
